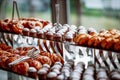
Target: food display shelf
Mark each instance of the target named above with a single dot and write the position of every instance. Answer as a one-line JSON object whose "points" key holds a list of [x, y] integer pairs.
{"points": [[68, 50]]}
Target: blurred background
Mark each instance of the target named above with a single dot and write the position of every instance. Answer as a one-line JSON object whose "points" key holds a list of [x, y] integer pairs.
{"points": [[98, 14]]}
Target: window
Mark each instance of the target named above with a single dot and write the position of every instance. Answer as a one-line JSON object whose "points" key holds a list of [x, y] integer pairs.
{"points": [[95, 13], [27, 8]]}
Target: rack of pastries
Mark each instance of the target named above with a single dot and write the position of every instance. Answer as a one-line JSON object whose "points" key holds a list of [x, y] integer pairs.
{"points": [[50, 66], [32, 27]]}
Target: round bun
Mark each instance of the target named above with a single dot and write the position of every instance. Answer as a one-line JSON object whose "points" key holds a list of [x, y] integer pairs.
{"points": [[34, 63], [44, 60]]}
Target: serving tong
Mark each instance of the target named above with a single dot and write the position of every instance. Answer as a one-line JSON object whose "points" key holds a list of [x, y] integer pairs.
{"points": [[57, 24], [33, 53]]}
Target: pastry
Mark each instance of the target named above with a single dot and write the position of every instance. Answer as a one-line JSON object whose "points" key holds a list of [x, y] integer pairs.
{"points": [[51, 76], [25, 31], [44, 60], [42, 74], [34, 63], [21, 68], [32, 72], [33, 33]]}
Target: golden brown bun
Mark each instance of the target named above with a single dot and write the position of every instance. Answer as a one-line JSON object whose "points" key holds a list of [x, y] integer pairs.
{"points": [[54, 58], [34, 63], [2, 61], [9, 60], [61, 58], [117, 45], [45, 54], [95, 41], [83, 40], [44, 60], [5, 47]]}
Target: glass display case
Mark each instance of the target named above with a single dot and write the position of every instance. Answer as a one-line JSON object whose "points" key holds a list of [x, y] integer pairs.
{"points": [[97, 57]]}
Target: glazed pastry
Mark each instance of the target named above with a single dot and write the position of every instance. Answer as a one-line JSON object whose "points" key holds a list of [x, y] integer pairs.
{"points": [[34, 63], [117, 45], [2, 61], [44, 60], [21, 68], [9, 60], [45, 54], [105, 42], [83, 39], [5, 47], [95, 41], [54, 58]]}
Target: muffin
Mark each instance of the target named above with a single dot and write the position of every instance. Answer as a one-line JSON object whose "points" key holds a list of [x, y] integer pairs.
{"points": [[42, 73], [40, 34], [69, 37], [52, 76], [33, 33], [58, 37], [32, 72], [25, 31], [60, 77], [49, 35]]}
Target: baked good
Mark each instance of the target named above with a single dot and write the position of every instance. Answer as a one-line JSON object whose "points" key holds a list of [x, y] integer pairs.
{"points": [[60, 77], [44, 60], [32, 72], [40, 34], [21, 68], [58, 36], [42, 74], [49, 35], [51, 76], [25, 31], [34, 63], [69, 36], [33, 32], [95, 41], [44, 53], [54, 58], [82, 39], [46, 66]]}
